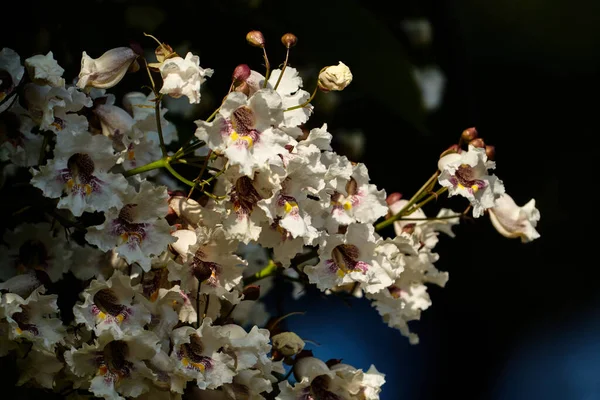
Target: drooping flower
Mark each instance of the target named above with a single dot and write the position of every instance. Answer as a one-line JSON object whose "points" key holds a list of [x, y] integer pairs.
{"points": [[513, 221], [183, 77], [107, 70]]}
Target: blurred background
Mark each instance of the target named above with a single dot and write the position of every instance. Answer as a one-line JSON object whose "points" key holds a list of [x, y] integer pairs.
{"points": [[515, 321]]}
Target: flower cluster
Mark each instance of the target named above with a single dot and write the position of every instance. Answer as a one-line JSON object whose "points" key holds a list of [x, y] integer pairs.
{"points": [[167, 296]]}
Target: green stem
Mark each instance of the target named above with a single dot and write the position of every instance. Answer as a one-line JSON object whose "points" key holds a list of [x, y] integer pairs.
{"points": [[269, 270], [427, 200], [411, 202], [178, 176], [307, 102], [145, 168], [287, 54], [159, 125]]}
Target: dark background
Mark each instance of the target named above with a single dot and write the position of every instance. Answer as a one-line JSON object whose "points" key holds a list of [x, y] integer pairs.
{"points": [[515, 321]]}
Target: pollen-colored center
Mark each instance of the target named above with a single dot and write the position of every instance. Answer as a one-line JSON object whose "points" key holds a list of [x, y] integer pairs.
{"points": [[115, 360], [243, 123], [344, 259], [191, 355]]}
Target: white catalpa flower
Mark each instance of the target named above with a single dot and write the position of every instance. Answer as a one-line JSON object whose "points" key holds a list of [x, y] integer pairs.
{"points": [[44, 70], [466, 174], [55, 108], [405, 299], [161, 305], [284, 245], [513, 221], [359, 384], [211, 254], [355, 200], [183, 77], [40, 366], [314, 380], [349, 258], [248, 384], [115, 366], [196, 356], [244, 130], [289, 89], [334, 77], [107, 70], [79, 171], [138, 229], [248, 349], [11, 72], [34, 247], [34, 319], [113, 305], [17, 141], [243, 216]]}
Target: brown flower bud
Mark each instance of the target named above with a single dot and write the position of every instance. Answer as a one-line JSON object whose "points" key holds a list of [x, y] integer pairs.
{"points": [[251, 292], [393, 197], [490, 152], [241, 73], [289, 40], [477, 143], [469, 134], [164, 52], [255, 38]]}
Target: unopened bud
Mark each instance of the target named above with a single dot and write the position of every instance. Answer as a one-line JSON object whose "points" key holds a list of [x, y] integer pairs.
{"points": [[164, 52], [241, 73], [469, 134], [251, 292], [477, 143], [452, 149], [490, 152], [288, 343], [334, 77], [393, 197], [107, 70], [255, 38], [289, 40]]}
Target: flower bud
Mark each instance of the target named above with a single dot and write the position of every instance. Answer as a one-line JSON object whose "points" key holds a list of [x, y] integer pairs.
{"points": [[393, 197], [334, 77], [477, 143], [255, 38], [289, 40], [490, 152], [469, 134], [241, 73], [251, 292], [288, 343], [164, 52], [107, 70], [452, 149]]}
